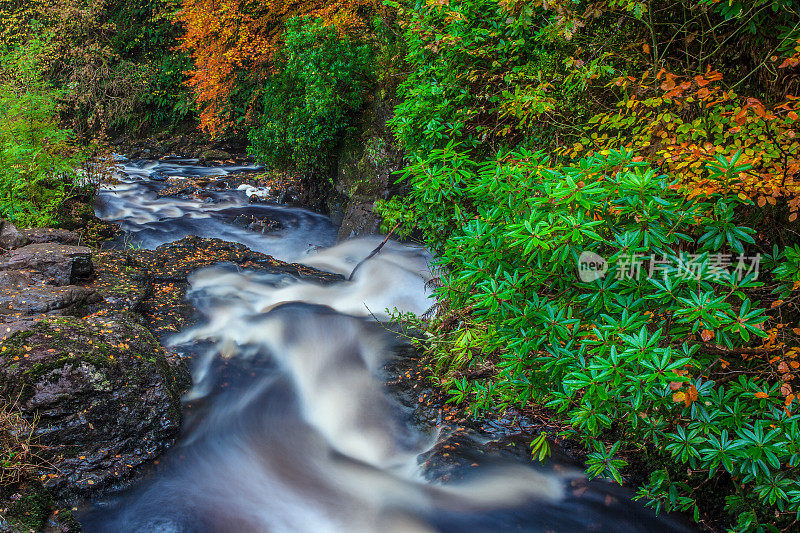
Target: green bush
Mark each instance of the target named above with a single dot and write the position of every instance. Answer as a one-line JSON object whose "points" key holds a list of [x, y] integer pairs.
{"points": [[37, 156], [655, 365], [687, 375], [308, 103], [490, 75]]}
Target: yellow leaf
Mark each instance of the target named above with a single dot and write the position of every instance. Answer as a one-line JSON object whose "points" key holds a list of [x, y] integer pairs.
{"points": [[691, 395], [761, 395]]}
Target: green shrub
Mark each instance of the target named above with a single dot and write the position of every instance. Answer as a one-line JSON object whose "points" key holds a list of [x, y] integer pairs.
{"points": [[673, 366], [37, 156], [308, 103], [116, 61], [490, 75]]}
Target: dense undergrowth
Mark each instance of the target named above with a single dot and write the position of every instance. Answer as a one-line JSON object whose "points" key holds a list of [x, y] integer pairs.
{"points": [[38, 160], [611, 188], [318, 85], [72, 74]]}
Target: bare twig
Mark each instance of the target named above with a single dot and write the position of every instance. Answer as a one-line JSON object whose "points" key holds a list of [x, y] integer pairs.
{"points": [[374, 252]]}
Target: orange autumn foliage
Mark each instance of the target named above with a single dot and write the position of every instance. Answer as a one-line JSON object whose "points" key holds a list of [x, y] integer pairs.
{"points": [[689, 124], [232, 43]]}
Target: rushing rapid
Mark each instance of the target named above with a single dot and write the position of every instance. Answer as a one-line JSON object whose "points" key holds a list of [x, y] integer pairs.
{"points": [[150, 219], [289, 427]]}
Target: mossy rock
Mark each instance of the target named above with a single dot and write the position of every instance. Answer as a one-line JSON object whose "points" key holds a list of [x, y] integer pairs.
{"points": [[30, 507], [101, 391], [214, 155]]}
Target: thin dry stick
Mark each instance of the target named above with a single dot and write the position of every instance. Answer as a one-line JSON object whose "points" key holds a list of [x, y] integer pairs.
{"points": [[374, 252]]}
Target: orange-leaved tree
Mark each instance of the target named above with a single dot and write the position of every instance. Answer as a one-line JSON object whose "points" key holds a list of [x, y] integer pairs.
{"points": [[691, 126], [232, 43]]}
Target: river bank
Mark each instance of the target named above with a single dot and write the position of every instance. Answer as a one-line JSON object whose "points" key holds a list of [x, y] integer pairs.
{"points": [[93, 339]]}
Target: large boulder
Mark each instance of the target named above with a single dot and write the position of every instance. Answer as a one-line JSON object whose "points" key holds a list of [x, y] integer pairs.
{"points": [[102, 393], [10, 236], [61, 263]]}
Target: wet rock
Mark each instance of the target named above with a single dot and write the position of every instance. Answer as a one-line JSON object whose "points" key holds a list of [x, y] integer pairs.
{"points": [[20, 279], [176, 260], [178, 188], [102, 393], [168, 267], [119, 279], [359, 219], [258, 225], [463, 444], [288, 196], [10, 236], [42, 235], [214, 155], [61, 263], [26, 293]]}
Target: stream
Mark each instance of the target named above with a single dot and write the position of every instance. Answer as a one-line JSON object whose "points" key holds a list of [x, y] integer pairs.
{"points": [[289, 426]]}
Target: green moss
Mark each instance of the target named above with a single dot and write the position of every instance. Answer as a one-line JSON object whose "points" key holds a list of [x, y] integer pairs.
{"points": [[77, 341], [43, 368], [68, 520], [31, 510], [16, 341]]}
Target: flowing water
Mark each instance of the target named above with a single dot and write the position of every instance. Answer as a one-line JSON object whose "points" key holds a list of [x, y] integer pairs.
{"points": [[290, 428]]}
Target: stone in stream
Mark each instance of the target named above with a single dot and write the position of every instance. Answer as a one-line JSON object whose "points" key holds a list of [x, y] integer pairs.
{"points": [[10, 236], [61, 263], [214, 155], [259, 225], [100, 393], [168, 267]]}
